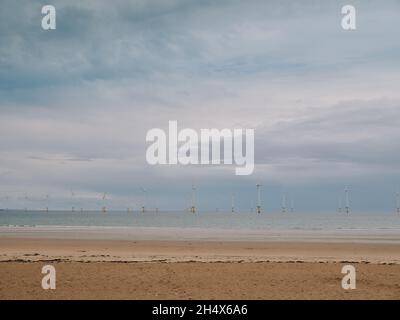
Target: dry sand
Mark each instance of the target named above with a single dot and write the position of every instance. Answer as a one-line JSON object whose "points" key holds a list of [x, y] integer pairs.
{"points": [[122, 269], [197, 280]]}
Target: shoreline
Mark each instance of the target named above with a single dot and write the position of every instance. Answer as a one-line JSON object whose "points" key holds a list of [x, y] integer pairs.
{"points": [[383, 236]]}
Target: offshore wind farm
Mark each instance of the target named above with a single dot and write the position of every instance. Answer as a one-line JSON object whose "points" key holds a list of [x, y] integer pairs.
{"points": [[30, 210]]}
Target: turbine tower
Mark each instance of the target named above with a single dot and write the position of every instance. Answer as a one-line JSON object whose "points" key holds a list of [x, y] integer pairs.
{"points": [[26, 198], [258, 198], [398, 202], [233, 202], [346, 196], [291, 205], [72, 201], [143, 210], [103, 198], [283, 203], [5, 202], [340, 205], [47, 202], [193, 207]]}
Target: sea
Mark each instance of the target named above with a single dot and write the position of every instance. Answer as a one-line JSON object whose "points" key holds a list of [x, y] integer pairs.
{"points": [[183, 225], [327, 221]]}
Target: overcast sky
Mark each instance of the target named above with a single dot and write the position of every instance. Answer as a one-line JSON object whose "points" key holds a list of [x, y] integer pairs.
{"points": [[76, 102]]}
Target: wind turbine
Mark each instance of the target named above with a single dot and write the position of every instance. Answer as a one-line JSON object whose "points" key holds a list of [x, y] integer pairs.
{"points": [[47, 202], [26, 198], [72, 201], [5, 201], [233, 202], [347, 201], [398, 202], [144, 200], [258, 198], [76, 202], [103, 198], [193, 207], [340, 205], [291, 205], [283, 203]]}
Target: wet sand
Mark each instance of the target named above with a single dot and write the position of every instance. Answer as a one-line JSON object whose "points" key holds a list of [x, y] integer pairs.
{"points": [[25, 249]]}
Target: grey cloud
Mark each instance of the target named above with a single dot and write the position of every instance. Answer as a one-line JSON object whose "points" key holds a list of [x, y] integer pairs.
{"points": [[353, 133], [76, 103]]}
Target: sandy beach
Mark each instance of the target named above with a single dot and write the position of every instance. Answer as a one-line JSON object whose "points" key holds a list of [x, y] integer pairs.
{"points": [[145, 269]]}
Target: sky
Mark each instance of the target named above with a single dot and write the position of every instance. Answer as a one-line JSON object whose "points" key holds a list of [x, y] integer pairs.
{"points": [[76, 102]]}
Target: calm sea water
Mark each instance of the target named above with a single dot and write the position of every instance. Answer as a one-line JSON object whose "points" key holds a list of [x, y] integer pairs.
{"points": [[206, 220]]}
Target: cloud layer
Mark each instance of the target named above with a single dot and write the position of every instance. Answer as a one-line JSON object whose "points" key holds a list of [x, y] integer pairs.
{"points": [[76, 102]]}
